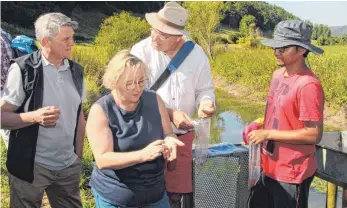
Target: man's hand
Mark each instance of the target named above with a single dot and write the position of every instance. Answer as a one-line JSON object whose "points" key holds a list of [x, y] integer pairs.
{"points": [[47, 116], [258, 136], [255, 125], [206, 108], [181, 120], [170, 148]]}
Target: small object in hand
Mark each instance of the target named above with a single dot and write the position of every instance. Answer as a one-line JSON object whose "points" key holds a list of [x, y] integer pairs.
{"points": [[255, 125]]}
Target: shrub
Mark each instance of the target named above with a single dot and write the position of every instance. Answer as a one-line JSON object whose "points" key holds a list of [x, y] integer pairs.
{"points": [[94, 92], [93, 59], [120, 32], [221, 40], [322, 41], [234, 37], [250, 42]]}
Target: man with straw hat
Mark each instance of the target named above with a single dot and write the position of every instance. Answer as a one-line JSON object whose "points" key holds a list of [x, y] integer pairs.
{"points": [[293, 122], [188, 87]]}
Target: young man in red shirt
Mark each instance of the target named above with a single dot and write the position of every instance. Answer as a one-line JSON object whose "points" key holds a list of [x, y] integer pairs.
{"points": [[293, 122]]}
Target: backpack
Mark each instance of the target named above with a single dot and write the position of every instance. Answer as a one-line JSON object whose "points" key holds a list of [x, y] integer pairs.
{"points": [[22, 45]]}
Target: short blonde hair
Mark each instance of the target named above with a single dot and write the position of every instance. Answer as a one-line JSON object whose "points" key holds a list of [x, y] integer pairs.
{"points": [[118, 64]]}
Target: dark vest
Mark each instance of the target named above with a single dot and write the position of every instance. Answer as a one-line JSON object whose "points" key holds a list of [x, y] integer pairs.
{"points": [[22, 143], [140, 184]]}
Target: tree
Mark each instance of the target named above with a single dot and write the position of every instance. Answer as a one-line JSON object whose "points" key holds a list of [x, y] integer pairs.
{"points": [[120, 32], [314, 32], [204, 19], [320, 31], [247, 25]]}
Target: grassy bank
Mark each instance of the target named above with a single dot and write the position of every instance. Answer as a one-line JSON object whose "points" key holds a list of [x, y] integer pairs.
{"points": [[253, 69]]}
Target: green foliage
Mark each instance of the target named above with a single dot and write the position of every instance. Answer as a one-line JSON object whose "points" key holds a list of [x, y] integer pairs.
{"points": [[253, 69], [94, 92], [247, 25], [234, 37], [120, 32], [240, 67], [5, 189], [267, 15], [221, 40], [331, 69], [250, 42], [204, 18], [245, 110], [94, 59], [320, 31], [324, 41]]}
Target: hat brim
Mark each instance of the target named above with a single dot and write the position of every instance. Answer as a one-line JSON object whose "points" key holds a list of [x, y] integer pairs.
{"points": [[282, 43], [156, 24]]}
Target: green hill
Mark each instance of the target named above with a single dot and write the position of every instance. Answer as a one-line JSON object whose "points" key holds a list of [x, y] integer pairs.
{"points": [[18, 17]]}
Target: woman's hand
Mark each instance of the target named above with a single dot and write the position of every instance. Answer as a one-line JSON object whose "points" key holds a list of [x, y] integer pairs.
{"points": [[170, 147], [152, 151]]}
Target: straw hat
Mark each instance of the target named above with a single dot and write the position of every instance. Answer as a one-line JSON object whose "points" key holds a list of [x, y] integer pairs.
{"points": [[170, 20]]}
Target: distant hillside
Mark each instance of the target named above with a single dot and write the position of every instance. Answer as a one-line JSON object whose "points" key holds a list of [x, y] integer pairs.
{"points": [[18, 17], [267, 15], [338, 31]]}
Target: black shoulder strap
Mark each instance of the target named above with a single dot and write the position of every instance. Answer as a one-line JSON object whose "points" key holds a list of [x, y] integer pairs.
{"points": [[77, 76], [174, 64]]}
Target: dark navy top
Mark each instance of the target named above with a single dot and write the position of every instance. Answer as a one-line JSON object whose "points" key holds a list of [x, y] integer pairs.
{"points": [[141, 184]]}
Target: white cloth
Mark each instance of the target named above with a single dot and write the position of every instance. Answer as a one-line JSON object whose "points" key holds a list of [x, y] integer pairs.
{"points": [[184, 89], [54, 149]]}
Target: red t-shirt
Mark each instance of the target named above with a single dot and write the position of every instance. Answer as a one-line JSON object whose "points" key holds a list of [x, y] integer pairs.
{"points": [[291, 101]]}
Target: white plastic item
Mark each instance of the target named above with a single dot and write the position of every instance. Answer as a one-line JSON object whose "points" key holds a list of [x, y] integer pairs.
{"points": [[202, 133], [254, 164]]}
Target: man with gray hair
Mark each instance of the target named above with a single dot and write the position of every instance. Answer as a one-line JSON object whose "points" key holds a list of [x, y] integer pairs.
{"points": [[42, 106]]}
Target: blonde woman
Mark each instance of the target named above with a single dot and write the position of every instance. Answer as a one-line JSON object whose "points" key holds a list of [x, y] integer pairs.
{"points": [[130, 136]]}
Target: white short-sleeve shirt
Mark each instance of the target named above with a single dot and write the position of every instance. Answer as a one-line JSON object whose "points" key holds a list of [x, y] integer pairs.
{"points": [[186, 86]]}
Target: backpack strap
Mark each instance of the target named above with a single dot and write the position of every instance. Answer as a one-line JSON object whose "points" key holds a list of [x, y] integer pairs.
{"points": [[180, 56]]}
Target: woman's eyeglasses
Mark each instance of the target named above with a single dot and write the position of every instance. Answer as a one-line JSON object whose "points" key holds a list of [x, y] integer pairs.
{"points": [[132, 84]]}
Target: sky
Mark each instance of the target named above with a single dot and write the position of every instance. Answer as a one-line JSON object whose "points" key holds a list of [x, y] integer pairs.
{"points": [[331, 13]]}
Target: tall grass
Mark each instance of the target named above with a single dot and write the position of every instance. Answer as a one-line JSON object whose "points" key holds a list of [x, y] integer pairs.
{"points": [[253, 69]]}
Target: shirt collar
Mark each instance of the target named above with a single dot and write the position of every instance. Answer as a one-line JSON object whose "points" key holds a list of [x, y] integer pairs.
{"points": [[63, 67]]}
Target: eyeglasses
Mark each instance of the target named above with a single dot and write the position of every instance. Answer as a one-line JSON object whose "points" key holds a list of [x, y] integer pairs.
{"points": [[162, 36], [130, 85], [283, 49]]}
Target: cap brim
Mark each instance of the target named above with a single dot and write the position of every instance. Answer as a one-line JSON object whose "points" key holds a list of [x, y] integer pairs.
{"points": [[279, 43], [156, 24]]}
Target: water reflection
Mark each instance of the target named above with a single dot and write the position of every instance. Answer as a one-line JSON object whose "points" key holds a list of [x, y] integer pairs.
{"points": [[233, 127], [232, 115]]}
